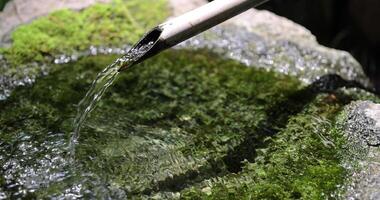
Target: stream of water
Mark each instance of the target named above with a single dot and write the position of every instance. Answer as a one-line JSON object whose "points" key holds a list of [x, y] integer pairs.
{"points": [[103, 80]]}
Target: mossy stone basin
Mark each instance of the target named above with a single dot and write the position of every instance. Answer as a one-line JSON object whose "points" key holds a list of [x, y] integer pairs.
{"points": [[187, 124]]}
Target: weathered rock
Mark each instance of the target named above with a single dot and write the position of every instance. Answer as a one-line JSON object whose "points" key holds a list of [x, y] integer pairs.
{"points": [[255, 38], [181, 6], [363, 132], [268, 41], [68, 32], [364, 123], [156, 138]]}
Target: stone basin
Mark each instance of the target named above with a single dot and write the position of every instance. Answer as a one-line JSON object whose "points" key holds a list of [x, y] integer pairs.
{"points": [[238, 112]]}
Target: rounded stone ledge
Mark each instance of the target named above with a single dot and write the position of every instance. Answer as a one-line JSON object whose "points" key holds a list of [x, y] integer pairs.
{"points": [[261, 22], [285, 35], [296, 53]]}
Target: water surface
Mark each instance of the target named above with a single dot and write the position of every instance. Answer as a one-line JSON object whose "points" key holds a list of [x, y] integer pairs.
{"points": [[103, 80], [163, 127]]}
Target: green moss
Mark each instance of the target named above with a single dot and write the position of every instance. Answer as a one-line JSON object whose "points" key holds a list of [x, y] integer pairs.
{"points": [[188, 123], [67, 31], [302, 161], [168, 108], [184, 122]]}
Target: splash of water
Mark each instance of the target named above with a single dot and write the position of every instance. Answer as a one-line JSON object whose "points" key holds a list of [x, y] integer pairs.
{"points": [[103, 80]]}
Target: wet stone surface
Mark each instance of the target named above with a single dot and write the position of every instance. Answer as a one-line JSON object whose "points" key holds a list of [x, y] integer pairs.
{"points": [[27, 76], [363, 132], [173, 128], [35, 45], [190, 123], [237, 43], [364, 123], [165, 131], [283, 56]]}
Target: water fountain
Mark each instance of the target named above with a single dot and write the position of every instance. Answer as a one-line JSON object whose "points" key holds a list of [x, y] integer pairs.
{"points": [[224, 114]]}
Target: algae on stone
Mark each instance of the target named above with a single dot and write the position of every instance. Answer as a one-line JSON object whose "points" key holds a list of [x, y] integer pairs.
{"points": [[362, 133], [184, 124], [66, 31], [300, 162], [70, 32]]}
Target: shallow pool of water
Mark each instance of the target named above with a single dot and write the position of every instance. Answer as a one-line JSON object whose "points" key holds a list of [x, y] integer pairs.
{"points": [[165, 126]]}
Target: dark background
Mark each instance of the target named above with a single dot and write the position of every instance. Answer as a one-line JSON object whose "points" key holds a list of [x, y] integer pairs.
{"points": [[2, 4], [351, 25]]}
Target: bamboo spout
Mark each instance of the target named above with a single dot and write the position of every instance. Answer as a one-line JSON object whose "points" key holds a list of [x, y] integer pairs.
{"points": [[190, 24]]}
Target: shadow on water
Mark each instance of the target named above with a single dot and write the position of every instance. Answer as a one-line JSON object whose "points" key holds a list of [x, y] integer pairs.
{"points": [[276, 120]]}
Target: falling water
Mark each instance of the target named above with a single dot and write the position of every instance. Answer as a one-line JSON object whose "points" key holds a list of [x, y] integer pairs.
{"points": [[103, 80]]}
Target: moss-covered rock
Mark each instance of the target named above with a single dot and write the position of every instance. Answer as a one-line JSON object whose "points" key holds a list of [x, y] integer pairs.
{"points": [[362, 131], [301, 162], [67, 31], [186, 124]]}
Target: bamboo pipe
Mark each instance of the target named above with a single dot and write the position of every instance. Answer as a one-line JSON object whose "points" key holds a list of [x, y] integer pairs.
{"points": [[190, 24]]}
